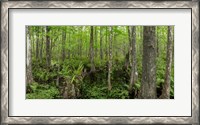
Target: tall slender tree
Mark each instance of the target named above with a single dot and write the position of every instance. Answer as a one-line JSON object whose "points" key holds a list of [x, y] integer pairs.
{"points": [[52, 43], [41, 45], [63, 43], [106, 44], [115, 42], [81, 41], [48, 54], [142, 39], [157, 40], [37, 42], [92, 49], [32, 39], [148, 85], [96, 41], [101, 44], [130, 35], [166, 86], [29, 77], [110, 58], [69, 44], [133, 54]]}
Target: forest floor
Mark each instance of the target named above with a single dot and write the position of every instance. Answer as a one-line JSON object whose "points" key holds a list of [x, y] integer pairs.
{"points": [[74, 80]]}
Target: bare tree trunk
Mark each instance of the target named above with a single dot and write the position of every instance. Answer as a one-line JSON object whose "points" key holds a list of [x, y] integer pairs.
{"points": [[130, 45], [157, 39], [29, 78], [48, 55], [148, 86], [101, 45], [63, 44], [81, 42], [110, 58], [69, 47], [106, 39], [32, 38], [142, 39], [92, 49], [37, 43], [116, 47], [133, 66], [96, 43], [41, 47], [166, 86], [86, 47]]}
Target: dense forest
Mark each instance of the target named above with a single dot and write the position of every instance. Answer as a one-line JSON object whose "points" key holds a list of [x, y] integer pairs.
{"points": [[99, 62]]}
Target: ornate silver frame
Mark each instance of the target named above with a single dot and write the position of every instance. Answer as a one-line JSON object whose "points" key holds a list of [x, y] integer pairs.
{"points": [[194, 119]]}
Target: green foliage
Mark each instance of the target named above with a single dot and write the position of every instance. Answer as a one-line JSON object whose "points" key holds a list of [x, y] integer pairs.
{"points": [[100, 91], [160, 70], [117, 93], [33, 86], [72, 72], [96, 92], [41, 91], [43, 74]]}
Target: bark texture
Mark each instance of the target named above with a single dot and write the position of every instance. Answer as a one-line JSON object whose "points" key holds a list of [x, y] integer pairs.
{"points": [[101, 44], [29, 78], [148, 86], [96, 41], [92, 49], [63, 44], [69, 46], [133, 54], [48, 54], [41, 46], [166, 86], [37, 44], [110, 59]]}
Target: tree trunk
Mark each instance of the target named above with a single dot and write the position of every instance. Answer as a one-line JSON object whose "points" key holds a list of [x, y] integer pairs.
{"points": [[86, 47], [101, 44], [69, 47], [128, 57], [96, 43], [32, 35], [157, 41], [37, 43], [48, 54], [148, 86], [133, 66], [51, 43], [92, 49], [142, 39], [130, 45], [81, 42], [110, 58], [63, 44], [166, 86], [29, 78], [116, 47], [106, 45], [41, 47]]}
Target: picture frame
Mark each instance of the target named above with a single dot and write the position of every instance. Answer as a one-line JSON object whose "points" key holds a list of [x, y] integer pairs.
{"points": [[9, 5]]}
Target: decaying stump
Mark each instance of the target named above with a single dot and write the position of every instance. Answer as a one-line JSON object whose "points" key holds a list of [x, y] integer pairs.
{"points": [[69, 91]]}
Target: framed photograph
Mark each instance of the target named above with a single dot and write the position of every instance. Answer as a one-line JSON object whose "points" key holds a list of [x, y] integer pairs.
{"points": [[100, 62]]}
